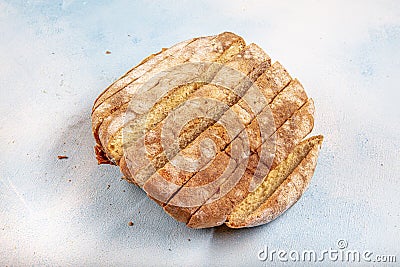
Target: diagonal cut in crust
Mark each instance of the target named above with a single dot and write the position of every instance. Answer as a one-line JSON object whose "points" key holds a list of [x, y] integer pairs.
{"points": [[217, 211], [280, 189], [219, 48]]}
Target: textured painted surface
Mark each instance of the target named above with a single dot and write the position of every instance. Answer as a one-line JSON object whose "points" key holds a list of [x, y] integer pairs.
{"points": [[53, 64]]}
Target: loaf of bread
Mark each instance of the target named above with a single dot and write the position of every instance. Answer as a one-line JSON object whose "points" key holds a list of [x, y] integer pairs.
{"points": [[211, 130]]}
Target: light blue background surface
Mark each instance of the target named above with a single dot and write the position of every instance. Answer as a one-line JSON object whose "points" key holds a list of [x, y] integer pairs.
{"points": [[53, 65]]}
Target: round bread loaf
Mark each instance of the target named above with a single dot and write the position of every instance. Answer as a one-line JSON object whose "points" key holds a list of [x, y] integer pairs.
{"points": [[211, 130]]}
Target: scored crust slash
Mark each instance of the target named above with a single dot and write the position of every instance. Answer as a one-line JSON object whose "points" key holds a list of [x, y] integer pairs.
{"points": [[211, 130]]}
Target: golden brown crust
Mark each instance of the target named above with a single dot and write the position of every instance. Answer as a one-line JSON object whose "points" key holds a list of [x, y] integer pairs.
{"points": [[288, 192], [246, 64], [101, 156], [125, 171], [118, 84], [215, 213], [203, 178], [108, 129], [255, 58], [287, 102], [218, 195], [288, 136], [208, 48], [297, 96], [293, 131]]}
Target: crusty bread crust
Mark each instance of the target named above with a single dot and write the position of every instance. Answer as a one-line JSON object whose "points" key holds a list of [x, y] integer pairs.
{"points": [[255, 57], [272, 163], [210, 48], [292, 94], [130, 76], [290, 190], [292, 131]]}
